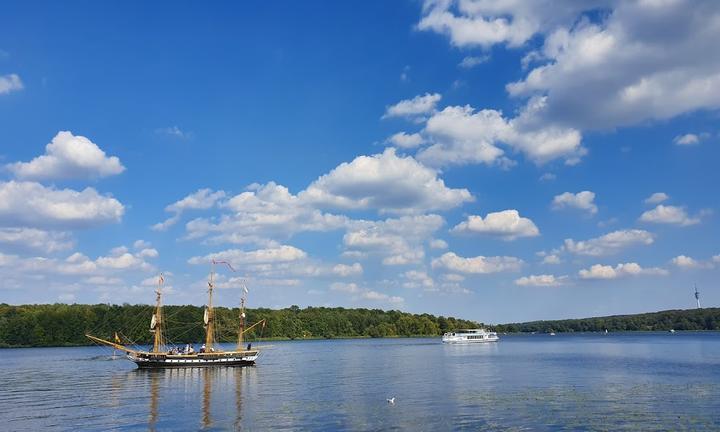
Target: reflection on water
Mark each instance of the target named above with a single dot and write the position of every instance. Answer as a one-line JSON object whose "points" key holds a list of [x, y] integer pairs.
{"points": [[623, 382], [165, 386]]}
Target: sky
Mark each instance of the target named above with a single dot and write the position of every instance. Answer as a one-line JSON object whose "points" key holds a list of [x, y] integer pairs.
{"points": [[499, 161]]}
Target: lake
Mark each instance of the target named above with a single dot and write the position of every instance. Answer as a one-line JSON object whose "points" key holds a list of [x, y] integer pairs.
{"points": [[630, 381]]}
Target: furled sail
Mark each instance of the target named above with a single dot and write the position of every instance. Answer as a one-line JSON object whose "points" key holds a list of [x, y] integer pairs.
{"points": [[206, 317], [153, 322]]}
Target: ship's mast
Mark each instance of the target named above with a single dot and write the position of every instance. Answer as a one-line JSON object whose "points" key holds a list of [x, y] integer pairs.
{"points": [[241, 328], [209, 314], [157, 321]]}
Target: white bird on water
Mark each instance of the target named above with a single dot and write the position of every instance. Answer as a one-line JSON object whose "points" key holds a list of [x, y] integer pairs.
{"points": [[391, 401]]}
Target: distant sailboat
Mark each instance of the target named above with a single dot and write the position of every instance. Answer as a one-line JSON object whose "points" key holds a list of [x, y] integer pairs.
{"points": [[209, 355]]}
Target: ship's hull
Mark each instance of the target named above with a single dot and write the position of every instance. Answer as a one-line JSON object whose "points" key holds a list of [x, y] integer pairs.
{"points": [[468, 341], [194, 361]]}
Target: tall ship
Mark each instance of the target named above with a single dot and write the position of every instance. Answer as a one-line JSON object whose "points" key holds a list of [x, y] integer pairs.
{"points": [[470, 336], [209, 355]]}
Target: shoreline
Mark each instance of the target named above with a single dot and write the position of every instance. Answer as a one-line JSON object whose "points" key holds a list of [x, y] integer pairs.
{"points": [[285, 339]]}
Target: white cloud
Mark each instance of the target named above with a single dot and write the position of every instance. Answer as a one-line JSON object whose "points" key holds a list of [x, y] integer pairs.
{"points": [[438, 244], [470, 62], [148, 253], [484, 24], [599, 271], [673, 215], [29, 204], [551, 259], [413, 108], [687, 263], [687, 139], [460, 135], [541, 280], [622, 59], [418, 279], [264, 211], [202, 199], [657, 198], [406, 141], [66, 157], [476, 265], [77, 264], [282, 253], [584, 200], [364, 294], [380, 297], [386, 182], [10, 83], [31, 239], [506, 224], [141, 244], [398, 240], [547, 177], [609, 243], [345, 270]]}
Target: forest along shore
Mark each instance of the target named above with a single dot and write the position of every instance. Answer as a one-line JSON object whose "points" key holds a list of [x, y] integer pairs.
{"points": [[66, 325]]}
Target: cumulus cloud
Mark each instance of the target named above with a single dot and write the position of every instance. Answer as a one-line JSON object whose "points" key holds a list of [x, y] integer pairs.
{"points": [[202, 199], [609, 243], [415, 107], [687, 263], [364, 294], [68, 156], [406, 141], [460, 135], [345, 270], [78, 264], [584, 200], [657, 198], [419, 279], [438, 244], [476, 265], [263, 212], [541, 280], [506, 224], [599, 271], [10, 83], [386, 182], [284, 253], [551, 259], [397, 240], [625, 62], [672, 215], [31, 239], [29, 204]]}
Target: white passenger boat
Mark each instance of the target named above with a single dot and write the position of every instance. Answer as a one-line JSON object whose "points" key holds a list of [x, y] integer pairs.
{"points": [[470, 336]]}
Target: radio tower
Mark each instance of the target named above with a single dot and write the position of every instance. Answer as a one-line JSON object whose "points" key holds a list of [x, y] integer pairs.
{"points": [[697, 297]]}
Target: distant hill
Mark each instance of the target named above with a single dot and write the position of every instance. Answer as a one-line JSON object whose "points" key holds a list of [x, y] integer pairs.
{"points": [[687, 319], [66, 325]]}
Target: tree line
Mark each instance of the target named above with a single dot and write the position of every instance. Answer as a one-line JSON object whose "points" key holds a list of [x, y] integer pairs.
{"points": [[66, 325], [689, 319]]}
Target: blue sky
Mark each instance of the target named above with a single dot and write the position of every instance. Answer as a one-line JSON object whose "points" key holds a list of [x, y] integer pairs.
{"points": [[497, 161]]}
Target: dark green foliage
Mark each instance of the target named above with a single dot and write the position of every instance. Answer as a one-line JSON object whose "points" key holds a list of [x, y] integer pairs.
{"points": [[61, 324], [690, 319]]}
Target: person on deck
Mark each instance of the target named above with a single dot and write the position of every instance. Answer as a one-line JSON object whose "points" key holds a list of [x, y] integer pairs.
{"points": [[202, 348]]}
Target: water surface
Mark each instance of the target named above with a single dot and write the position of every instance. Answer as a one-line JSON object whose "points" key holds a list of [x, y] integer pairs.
{"points": [[655, 381]]}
